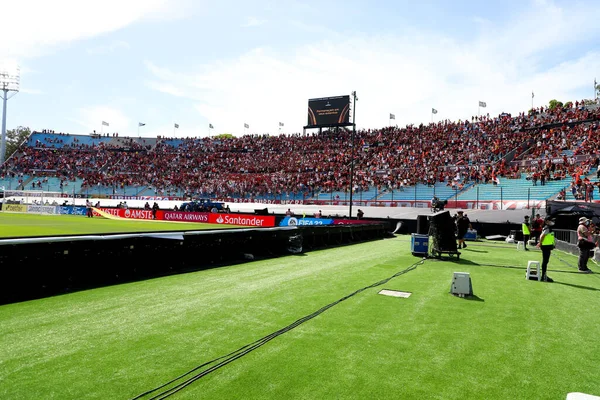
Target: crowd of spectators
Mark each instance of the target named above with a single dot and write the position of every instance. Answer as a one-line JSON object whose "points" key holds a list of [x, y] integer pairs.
{"points": [[391, 158]]}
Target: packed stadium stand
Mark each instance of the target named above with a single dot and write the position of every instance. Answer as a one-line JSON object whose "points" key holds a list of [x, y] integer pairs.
{"points": [[543, 154]]}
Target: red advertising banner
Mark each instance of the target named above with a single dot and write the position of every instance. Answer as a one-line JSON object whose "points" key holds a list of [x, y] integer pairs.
{"points": [[185, 216], [212, 218], [130, 213], [242, 219]]}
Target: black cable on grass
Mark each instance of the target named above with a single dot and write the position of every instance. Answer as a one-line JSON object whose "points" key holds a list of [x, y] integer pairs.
{"points": [[500, 266], [524, 268], [565, 262], [574, 267], [234, 355]]}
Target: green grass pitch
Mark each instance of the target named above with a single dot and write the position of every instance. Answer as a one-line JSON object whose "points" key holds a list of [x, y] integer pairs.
{"points": [[30, 225], [516, 339]]}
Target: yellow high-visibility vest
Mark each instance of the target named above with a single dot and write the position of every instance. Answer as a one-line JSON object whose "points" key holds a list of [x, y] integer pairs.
{"points": [[525, 228], [548, 239]]}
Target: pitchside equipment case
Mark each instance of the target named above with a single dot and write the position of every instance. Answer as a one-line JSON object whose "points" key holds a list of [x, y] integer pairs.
{"points": [[419, 244], [461, 284]]}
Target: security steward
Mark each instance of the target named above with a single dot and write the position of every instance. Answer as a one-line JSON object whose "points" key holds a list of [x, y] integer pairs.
{"points": [[546, 244], [526, 227]]}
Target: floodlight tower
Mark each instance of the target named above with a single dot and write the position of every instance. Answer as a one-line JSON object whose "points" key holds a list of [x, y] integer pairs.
{"points": [[9, 82]]}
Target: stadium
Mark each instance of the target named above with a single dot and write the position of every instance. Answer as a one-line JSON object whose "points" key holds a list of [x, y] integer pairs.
{"points": [[329, 263]]}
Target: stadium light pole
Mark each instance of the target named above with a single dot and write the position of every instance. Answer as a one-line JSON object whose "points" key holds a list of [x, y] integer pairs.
{"points": [[9, 82], [352, 150]]}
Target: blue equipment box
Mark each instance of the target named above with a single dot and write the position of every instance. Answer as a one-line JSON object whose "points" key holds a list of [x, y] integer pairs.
{"points": [[471, 234], [419, 244]]}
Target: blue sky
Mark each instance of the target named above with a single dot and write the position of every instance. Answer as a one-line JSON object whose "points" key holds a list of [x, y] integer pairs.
{"points": [[258, 62]]}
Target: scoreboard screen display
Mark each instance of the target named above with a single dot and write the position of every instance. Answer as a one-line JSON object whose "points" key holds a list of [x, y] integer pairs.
{"points": [[329, 111]]}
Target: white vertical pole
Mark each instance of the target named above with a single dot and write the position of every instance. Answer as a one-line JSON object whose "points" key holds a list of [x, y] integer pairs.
{"points": [[3, 144]]}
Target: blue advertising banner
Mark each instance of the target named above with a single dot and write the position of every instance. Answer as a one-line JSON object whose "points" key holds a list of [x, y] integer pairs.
{"points": [[71, 210], [293, 221]]}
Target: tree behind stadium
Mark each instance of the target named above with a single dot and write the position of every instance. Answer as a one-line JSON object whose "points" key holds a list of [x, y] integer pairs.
{"points": [[14, 138]]}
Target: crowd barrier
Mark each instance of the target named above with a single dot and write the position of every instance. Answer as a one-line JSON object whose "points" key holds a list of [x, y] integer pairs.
{"points": [[55, 265], [246, 220], [43, 209]]}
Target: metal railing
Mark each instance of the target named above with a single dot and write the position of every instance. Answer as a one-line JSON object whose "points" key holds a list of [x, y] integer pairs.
{"points": [[566, 240], [565, 235]]}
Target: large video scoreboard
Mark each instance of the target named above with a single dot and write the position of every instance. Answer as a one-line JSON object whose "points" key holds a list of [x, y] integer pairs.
{"points": [[328, 111]]}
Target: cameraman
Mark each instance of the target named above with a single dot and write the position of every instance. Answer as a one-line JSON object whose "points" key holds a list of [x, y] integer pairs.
{"points": [[435, 204]]}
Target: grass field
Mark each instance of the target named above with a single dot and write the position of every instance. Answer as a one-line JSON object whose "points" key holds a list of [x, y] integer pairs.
{"points": [[31, 225], [313, 326]]}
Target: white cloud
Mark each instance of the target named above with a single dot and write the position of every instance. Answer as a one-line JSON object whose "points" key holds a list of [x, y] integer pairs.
{"points": [[165, 88], [252, 22], [31, 91], [404, 75], [38, 25], [108, 48], [169, 130], [90, 119]]}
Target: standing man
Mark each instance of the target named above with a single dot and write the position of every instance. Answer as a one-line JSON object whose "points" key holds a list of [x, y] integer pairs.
{"points": [[155, 208], [546, 244], [526, 227], [434, 204], [88, 209], [463, 224], [585, 242], [536, 228]]}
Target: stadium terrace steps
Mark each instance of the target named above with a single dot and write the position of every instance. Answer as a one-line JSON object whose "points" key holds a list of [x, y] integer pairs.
{"points": [[13, 183], [150, 191], [51, 184], [421, 192], [110, 190], [174, 142], [513, 189], [366, 195]]}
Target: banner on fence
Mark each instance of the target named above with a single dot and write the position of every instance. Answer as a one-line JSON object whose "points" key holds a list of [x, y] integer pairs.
{"points": [[294, 221]]}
